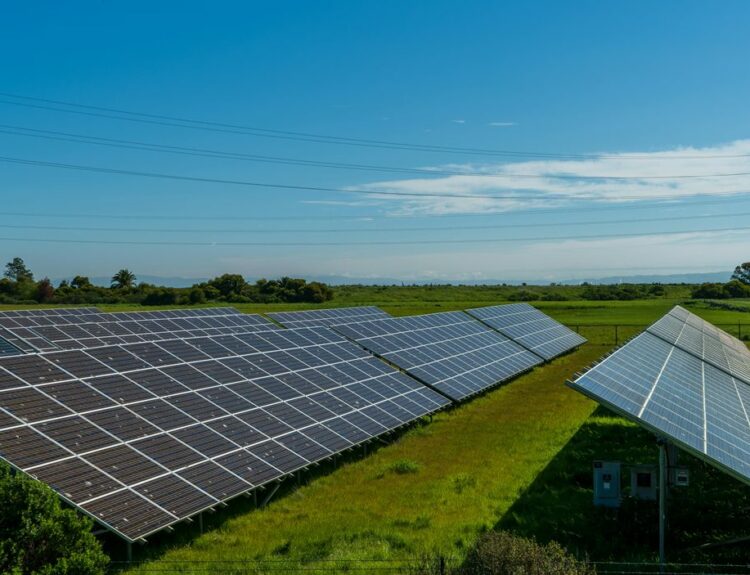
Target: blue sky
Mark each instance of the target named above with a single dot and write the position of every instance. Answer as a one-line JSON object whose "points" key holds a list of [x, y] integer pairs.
{"points": [[647, 92]]}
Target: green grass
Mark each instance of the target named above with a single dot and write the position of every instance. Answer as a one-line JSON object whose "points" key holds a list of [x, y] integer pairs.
{"points": [[434, 490]]}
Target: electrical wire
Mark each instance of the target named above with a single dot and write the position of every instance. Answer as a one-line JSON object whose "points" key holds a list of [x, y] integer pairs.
{"points": [[359, 191], [361, 230], [372, 243], [175, 121]]}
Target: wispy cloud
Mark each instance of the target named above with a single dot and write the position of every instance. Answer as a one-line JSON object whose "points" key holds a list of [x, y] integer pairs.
{"points": [[718, 170], [458, 121], [502, 124]]}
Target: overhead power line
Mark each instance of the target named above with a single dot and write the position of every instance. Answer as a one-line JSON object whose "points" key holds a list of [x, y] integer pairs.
{"points": [[52, 135], [498, 227], [182, 122], [668, 203], [371, 243], [368, 192]]}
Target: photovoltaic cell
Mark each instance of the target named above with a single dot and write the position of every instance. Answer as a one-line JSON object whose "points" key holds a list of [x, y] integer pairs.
{"points": [[530, 327], [450, 351]]}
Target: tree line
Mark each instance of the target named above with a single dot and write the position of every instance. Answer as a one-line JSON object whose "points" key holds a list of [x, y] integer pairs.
{"points": [[737, 287], [19, 286]]}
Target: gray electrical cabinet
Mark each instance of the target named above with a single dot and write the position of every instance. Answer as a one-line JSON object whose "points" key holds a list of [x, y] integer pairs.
{"points": [[607, 483], [643, 482]]}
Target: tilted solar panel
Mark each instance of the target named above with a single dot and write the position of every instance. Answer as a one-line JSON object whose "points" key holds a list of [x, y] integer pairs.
{"points": [[714, 346], [449, 351], [141, 436], [675, 394], [129, 327], [327, 317], [530, 327], [49, 312]]}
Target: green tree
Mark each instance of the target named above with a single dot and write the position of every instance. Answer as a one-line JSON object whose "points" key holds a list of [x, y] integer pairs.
{"points": [[17, 270], [44, 290], [742, 273], [38, 536], [123, 279], [228, 285], [81, 282]]}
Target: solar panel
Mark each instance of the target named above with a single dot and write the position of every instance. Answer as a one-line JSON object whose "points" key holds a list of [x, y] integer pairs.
{"points": [[710, 344], [142, 436], [530, 327], [49, 312], [95, 330], [327, 317], [449, 351], [677, 394]]}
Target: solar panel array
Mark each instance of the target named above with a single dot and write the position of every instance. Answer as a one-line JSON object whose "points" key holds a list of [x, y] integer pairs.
{"points": [[328, 317], [449, 351], [79, 331], [656, 381], [141, 436], [531, 328]]}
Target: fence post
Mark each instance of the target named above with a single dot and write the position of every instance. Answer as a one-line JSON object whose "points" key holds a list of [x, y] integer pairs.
{"points": [[441, 565]]}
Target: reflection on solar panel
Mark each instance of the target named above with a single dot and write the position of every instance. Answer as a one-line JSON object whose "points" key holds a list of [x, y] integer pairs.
{"points": [[531, 328], [7, 348], [67, 331], [141, 436], [327, 317], [450, 351], [675, 393]]}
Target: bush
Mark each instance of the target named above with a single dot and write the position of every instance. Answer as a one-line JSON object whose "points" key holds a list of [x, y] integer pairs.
{"points": [[523, 295], [502, 553], [38, 536]]}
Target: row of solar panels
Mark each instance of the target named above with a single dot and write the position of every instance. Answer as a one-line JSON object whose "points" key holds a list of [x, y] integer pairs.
{"points": [[686, 380], [143, 434]]}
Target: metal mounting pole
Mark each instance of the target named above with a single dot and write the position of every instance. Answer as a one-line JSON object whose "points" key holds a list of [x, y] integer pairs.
{"points": [[662, 502], [130, 552], [200, 522]]}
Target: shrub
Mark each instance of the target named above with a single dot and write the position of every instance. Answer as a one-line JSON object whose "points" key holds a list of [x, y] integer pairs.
{"points": [[502, 553], [38, 536], [523, 295]]}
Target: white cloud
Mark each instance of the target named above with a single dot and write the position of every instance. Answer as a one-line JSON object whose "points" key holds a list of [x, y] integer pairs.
{"points": [[538, 183], [458, 121], [502, 124]]}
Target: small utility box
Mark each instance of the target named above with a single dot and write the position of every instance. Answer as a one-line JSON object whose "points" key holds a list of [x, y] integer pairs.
{"points": [[643, 482], [607, 483], [680, 476]]}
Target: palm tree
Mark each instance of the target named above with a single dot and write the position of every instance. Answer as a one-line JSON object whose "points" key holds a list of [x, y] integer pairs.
{"points": [[124, 279]]}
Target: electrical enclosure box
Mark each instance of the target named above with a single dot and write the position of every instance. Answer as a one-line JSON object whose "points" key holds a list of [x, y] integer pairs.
{"points": [[607, 483], [643, 482], [680, 476]]}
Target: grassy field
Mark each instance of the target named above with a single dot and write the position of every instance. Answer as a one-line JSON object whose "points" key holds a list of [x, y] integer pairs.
{"points": [[517, 458], [433, 490]]}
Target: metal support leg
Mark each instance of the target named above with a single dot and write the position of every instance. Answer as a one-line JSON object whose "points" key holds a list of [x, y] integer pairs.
{"points": [[200, 522], [270, 495], [255, 499], [662, 502], [130, 552]]}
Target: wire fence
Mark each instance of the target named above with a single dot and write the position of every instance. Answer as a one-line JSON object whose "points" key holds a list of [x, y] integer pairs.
{"points": [[615, 334], [420, 566]]}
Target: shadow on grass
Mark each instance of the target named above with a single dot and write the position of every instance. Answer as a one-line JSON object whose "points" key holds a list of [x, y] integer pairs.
{"points": [[558, 505]]}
